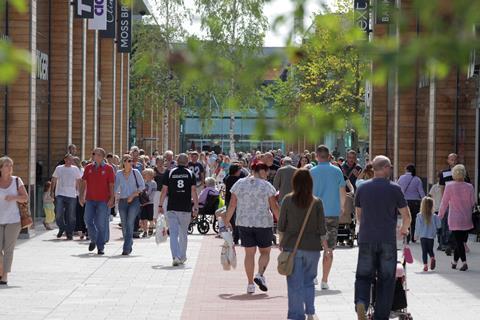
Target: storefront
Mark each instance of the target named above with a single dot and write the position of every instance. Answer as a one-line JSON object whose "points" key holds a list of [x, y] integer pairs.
{"points": [[78, 92]]}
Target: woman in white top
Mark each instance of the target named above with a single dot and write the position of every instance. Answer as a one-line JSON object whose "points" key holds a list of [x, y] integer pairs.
{"points": [[9, 215]]}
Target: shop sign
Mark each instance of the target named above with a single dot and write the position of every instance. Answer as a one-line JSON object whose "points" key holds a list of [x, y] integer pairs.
{"points": [[362, 15], [42, 65], [124, 32], [99, 21], [384, 11], [84, 9], [110, 31]]}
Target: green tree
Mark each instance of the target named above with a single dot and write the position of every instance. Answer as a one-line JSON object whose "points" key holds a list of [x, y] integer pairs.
{"points": [[153, 81], [12, 59], [235, 33]]}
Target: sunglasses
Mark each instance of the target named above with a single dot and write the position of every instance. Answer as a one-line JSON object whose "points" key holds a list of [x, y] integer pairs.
{"points": [[128, 160]]}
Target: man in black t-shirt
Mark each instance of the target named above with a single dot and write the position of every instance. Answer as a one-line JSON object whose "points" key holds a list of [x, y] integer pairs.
{"points": [[180, 185], [272, 167], [198, 170]]}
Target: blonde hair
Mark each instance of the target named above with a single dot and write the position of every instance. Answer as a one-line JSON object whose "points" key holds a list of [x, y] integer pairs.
{"points": [[149, 173], [426, 209], [459, 172], [126, 156], [4, 160]]}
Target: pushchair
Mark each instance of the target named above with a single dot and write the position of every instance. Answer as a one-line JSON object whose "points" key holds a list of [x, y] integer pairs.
{"points": [[347, 224], [206, 216], [399, 305]]}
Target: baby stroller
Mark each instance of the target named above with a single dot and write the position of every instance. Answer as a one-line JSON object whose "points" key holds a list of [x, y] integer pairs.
{"points": [[346, 224], [206, 216], [399, 305]]}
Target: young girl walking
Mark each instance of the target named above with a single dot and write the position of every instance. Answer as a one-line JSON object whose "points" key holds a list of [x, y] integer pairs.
{"points": [[48, 206], [427, 225]]}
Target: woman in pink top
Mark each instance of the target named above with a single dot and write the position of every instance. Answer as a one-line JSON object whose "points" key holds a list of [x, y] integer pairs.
{"points": [[459, 199]]}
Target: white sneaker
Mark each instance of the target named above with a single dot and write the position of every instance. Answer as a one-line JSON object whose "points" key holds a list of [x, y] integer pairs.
{"points": [[176, 262], [325, 286], [312, 317], [251, 289], [182, 261], [261, 282], [315, 281]]}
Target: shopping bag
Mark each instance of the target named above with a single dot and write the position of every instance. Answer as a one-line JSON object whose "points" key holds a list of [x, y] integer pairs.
{"points": [[224, 257], [161, 234], [407, 254]]}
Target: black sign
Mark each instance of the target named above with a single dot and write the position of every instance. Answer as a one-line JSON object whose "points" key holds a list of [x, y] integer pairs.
{"points": [[84, 9], [362, 15], [111, 13], [124, 29], [384, 11]]}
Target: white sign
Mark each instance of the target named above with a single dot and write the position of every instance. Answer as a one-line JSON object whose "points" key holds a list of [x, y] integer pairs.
{"points": [[99, 21], [42, 65]]}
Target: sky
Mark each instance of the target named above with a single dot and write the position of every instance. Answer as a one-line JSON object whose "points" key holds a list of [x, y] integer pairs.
{"points": [[275, 8]]}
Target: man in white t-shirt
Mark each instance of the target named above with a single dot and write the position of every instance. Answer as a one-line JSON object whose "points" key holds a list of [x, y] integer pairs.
{"points": [[65, 182]]}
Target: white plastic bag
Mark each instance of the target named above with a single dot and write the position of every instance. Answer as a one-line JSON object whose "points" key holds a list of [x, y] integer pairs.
{"points": [[224, 258], [161, 234]]}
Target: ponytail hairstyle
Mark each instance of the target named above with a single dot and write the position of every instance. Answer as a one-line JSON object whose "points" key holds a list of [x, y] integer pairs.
{"points": [[411, 168], [426, 209]]}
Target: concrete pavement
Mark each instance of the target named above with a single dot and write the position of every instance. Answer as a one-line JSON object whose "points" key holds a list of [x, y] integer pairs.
{"points": [[58, 279]]}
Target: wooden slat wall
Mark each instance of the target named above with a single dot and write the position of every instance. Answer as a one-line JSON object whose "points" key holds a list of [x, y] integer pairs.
{"points": [[2, 94], [77, 83], [90, 95], [422, 131], [125, 138], [59, 80], [106, 103], [19, 98], [119, 149]]}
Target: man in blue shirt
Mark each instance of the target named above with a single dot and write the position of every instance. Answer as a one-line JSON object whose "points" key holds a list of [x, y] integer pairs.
{"points": [[329, 186]]}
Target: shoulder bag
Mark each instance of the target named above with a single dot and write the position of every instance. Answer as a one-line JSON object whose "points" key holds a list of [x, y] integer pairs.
{"points": [[286, 259], [25, 217], [143, 196]]}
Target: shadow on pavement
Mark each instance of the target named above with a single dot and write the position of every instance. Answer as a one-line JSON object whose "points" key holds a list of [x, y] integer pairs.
{"points": [[119, 256], [319, 293], [247, 297], [160, 267], [89, 255], [5, 287]]}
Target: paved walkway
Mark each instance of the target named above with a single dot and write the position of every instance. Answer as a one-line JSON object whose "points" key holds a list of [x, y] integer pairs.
{"points": [[58, 279]]}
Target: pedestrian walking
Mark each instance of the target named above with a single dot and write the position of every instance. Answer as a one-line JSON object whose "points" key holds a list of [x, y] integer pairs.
{"points": [[377, 239], [302, 162], [436, 194], [446, 177], [12, 191], [48, 207], [329, 186], [412, 188], [96, 193], [283, 179], [170, 163], [366, 174], [234, 175], [179, 184], [294, 209], [253, 198], [65, 184], [80, 226], [129, 184], [351, 169], [427, 226], [198, 170], [159, 170], [272, 167], [459, 198], [146, 212]]}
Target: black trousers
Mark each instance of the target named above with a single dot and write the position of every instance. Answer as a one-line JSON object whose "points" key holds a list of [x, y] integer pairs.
{"points": [[461, 238], [414, 206]]}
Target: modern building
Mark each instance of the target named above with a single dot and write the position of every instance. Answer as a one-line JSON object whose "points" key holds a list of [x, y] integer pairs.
{"points": [[79, 90], [424, 122]]}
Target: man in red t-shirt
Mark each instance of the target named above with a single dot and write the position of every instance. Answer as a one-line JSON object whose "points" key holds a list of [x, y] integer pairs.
{"points": [[96, 193]]}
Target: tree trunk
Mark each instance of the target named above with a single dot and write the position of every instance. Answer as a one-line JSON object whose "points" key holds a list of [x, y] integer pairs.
{"points": [[165, 129], [232, 135]]}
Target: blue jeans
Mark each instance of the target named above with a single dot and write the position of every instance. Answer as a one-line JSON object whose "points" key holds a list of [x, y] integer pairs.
{"points": [[65, 214], [376, 260], [95, 212], [301, 289], [178, 226], [128, 214]]}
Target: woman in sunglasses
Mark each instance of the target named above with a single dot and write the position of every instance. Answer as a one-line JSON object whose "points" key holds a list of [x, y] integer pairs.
{"points": [[129, 184]]}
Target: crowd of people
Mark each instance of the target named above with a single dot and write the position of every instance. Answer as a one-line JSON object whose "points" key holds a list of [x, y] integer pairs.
{"points": [[265, 194]]}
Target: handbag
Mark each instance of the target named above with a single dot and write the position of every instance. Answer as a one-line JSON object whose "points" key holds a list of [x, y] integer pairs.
{"points": [[25, 217], [286, 259], [143, 196]]}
